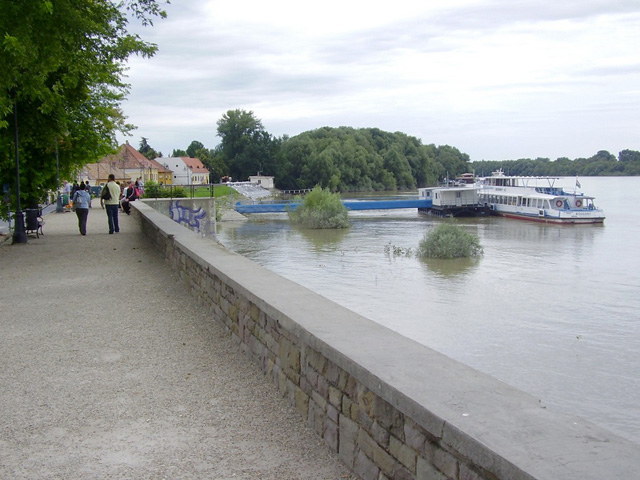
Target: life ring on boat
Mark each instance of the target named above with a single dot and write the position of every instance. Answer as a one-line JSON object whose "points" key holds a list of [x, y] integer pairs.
{"points": [[559, 203], [578, 203]]}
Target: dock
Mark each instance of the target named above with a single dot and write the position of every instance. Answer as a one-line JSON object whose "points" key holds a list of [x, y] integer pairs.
{"points": [[350, 204]]}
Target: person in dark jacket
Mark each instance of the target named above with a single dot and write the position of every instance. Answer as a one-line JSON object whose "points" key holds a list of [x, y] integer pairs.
{"points": [[131, 195]]}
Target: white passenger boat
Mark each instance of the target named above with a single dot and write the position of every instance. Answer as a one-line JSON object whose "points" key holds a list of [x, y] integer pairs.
{"points": [[537, 199]]}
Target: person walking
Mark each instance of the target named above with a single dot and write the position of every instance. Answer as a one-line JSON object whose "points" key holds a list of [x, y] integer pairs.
{"points": [[81, 203], [110, 198]]}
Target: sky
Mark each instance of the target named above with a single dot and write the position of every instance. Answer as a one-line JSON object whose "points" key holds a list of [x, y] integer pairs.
{"points": [[497, 79]]}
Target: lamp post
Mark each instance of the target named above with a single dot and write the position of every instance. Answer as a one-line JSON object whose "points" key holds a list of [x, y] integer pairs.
{"points": [[19, 232], [59, 207]]}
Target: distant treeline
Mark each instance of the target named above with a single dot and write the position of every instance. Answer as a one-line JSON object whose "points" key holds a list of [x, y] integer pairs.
{"points": [[347, 159], [603, 163]]}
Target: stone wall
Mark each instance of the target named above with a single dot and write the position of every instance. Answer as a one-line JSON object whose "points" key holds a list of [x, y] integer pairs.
{"points": [[196, 214], [390, 408]]}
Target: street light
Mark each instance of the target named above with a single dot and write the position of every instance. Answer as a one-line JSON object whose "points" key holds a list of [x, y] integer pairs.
{"points": [[59, 207], [19, 232]]}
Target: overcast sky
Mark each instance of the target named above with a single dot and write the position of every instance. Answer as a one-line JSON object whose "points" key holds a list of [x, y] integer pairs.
{"points": [[497, 79]]}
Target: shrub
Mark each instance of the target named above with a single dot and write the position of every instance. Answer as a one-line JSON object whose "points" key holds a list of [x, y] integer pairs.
{"points": [[449, 241], [320, 209]]}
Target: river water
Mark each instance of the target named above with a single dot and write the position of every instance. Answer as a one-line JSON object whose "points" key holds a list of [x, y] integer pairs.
{"points": [[553, 310]]}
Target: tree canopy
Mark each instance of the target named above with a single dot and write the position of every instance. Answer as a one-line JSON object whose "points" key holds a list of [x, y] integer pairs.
{"points": [[147, 150], [348, 159], [246, 147], [63, 65]]}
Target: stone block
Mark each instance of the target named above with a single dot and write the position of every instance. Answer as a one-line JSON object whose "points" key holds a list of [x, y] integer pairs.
{"points": [[335, 397], [301, 402], [365, 401], [330, 434], [362, 418], [426, 471], [405, 455], [388, 416], [332, 413], [347, 440], [332, 373], [446, 463], [254, 313], [365, 467], [343, 379], [323, 387], [232, 313], [380, 434], [351, 387], [319, 400], [414, 435], [316, 361], [315, 417], [370, 447]]}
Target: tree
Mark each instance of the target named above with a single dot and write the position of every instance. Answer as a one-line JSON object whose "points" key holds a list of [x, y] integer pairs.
{"points": [[179, 153], [246, 147], [63, 65], [193, 148], [146, 149]]}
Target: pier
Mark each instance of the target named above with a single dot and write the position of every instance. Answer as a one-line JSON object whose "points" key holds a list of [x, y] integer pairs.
{"points": [[350, 204]]}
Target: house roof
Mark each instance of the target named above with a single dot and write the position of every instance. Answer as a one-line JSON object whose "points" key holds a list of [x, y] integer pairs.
{"points": [[161, 168], [195, 165], [128, 158], [101, 171]]}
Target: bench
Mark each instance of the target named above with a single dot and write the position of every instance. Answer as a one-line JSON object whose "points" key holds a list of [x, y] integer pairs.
{"points": [[33, 221]]}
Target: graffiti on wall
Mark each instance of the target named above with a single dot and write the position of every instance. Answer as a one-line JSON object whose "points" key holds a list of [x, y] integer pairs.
{"points": [[190, 217]]}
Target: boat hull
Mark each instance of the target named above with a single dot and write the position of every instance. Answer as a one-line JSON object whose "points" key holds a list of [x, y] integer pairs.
{"points": [[575, 220]]}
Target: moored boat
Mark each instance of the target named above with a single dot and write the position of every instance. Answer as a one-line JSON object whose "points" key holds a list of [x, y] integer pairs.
{"points": [[453, 201], [537, 199]]}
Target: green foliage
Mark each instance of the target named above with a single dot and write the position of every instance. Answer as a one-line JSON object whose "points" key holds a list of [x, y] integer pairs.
{"points": [[146, 149], [320, 209], [347, 160], [193, 148], [602, 163], [246, 147], [63, 66], [449, 241], [153, 190]]}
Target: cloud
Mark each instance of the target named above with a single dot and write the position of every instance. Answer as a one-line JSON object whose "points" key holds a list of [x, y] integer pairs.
{"points": [[467, 73]]}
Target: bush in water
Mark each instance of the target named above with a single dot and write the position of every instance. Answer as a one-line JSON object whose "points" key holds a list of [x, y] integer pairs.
{"points": [[320, 209], [449, 241]]}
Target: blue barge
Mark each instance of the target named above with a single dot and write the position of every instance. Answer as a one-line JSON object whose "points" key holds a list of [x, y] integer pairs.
{"points": [[421, 203]]}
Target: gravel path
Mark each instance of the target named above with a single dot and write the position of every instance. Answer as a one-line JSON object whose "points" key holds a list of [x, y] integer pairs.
{"points": [[109, 370]]}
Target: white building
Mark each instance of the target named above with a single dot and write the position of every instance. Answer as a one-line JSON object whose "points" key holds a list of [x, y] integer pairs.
{"points": [[262, 180], [186, 170]]}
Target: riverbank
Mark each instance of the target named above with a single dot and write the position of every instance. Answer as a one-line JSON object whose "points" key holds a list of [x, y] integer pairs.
{"points": [[109, 371]]}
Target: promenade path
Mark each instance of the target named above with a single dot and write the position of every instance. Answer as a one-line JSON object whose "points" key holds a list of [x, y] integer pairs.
{"points": [[108, 370]]}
